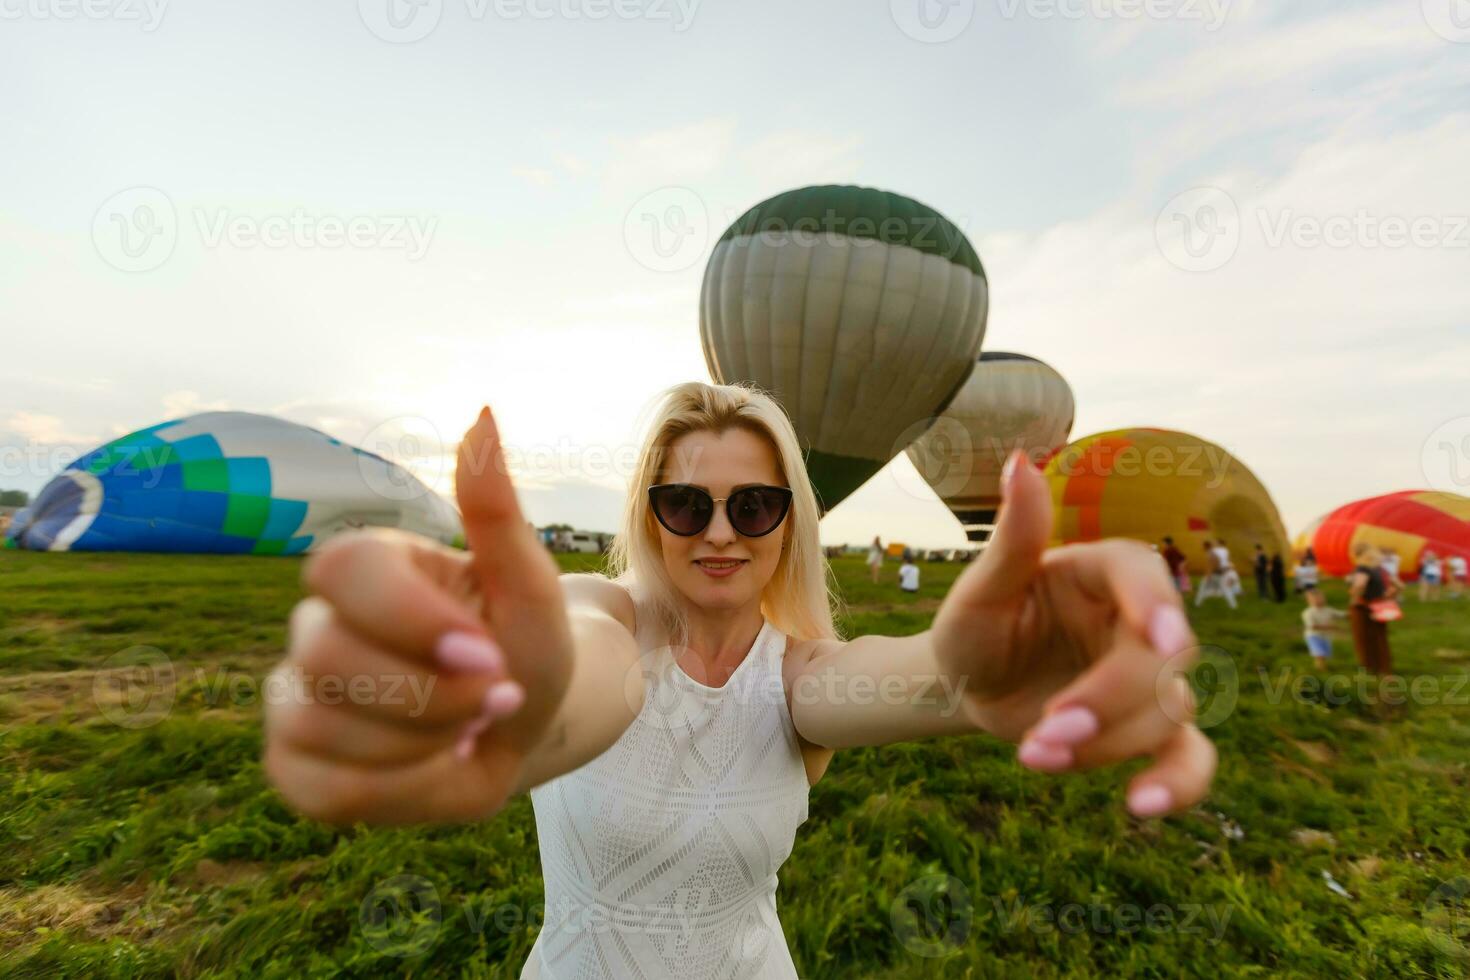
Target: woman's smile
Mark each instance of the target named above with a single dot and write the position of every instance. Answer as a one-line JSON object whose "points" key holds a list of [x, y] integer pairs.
{"points": [[720, 567]]}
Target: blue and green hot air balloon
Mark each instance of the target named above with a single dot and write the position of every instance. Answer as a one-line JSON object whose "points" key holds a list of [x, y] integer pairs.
{"points": [[226, 482]]}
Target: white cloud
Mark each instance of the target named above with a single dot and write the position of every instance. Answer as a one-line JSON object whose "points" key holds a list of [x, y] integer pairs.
{"points": [[45, 430], [179, 403], [672, 155], [534, 175]]}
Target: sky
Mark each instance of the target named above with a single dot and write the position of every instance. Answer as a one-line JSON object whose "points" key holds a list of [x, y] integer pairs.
{"points": [[1245, 220]]}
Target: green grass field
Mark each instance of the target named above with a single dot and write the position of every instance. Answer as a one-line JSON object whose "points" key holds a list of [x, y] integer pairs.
{"points": [[137, 836]]}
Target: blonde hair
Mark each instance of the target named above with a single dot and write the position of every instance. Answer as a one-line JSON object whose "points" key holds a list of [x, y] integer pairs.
{"points": [[801, 597]]}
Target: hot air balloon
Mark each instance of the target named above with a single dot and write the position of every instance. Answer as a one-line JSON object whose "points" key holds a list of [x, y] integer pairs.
{"points": [[1010, 401], [1408, 523], [226, 482], [1148, 483], [859, 310]]}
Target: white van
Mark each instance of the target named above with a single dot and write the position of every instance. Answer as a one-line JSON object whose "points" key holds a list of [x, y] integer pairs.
{"points": [[584, 541]]}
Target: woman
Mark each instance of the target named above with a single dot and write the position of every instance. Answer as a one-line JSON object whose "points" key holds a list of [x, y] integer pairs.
{"points": [[875, 558], [669, 721], [1367, 585]]}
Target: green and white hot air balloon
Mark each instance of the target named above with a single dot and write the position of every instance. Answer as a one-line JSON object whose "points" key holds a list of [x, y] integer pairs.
{"points": [[861, 311], [1010, 401]]}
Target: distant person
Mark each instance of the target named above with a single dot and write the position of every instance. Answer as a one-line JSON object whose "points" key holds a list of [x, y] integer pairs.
{"points": [[1216, 581], [1178, 565], [1388, 560], [908, 574], [1232, 577], [1260, 565], [1318, 620], [1278, 578], [875, 558], [1454, 575], [1430, 571], [1306, 573], [1370, 604]]}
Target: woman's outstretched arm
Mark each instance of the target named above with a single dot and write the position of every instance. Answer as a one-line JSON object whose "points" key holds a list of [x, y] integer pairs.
{"points": [[1076, 652], [607, 686], [425, 685]]}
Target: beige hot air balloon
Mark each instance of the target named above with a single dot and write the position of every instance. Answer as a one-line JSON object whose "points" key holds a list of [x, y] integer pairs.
{"points": [[860, 311], [1011, 401]]}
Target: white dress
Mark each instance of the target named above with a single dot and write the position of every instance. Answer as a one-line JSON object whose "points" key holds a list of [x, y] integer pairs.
{"points": [[659, 856]]}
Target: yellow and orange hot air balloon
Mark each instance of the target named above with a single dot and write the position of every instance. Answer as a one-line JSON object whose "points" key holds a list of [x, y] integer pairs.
{"points": [[1148, 483], [1408, 522]]}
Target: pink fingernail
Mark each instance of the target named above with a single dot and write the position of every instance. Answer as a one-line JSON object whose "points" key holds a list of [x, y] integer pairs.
{"points": [[1168, 631], [465, 747], [1005, 472], [469, 652], [1067, 727], [504, 698], [1043, 757], [1150, 801]]}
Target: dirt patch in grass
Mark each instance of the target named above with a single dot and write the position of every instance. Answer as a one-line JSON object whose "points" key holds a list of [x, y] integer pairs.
{"points": [[76, 907]]}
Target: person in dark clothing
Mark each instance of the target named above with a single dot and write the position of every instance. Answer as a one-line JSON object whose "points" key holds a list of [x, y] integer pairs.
{"points": [[1261, 565], [1278, 578], [1178, 564], [1366, 586]]}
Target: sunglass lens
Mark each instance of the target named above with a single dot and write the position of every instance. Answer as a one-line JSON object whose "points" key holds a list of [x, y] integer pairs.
{"points": [[757, 510], [683, 509]]}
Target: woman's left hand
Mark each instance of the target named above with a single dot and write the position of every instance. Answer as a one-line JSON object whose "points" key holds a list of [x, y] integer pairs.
{"points": [[1078, 652]]}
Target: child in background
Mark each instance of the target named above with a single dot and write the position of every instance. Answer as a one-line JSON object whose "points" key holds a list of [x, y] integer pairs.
{"points": [[908, 574], [1319, 619], [1306, 574], [1429, 573]]}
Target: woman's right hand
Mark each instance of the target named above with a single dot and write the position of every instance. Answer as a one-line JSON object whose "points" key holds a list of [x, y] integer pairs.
{"points": [[418, 678]]}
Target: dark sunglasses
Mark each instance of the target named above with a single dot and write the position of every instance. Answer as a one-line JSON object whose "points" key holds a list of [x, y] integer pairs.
{"points": [[686, 510]]}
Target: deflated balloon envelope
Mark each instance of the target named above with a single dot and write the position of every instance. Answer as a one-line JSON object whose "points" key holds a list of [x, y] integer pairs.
{"points": [[227, 482], [1409, 523], [861, 311], [1011, 401]]}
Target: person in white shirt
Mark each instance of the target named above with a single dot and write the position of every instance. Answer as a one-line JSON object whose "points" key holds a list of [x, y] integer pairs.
{"points": [[1216, 581], [1232, 577], [1318, 620], [668, 720], [1306, 574], [1389, 565], [875, 558], [1455, 570], [1429, 573], [908, 576]]}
